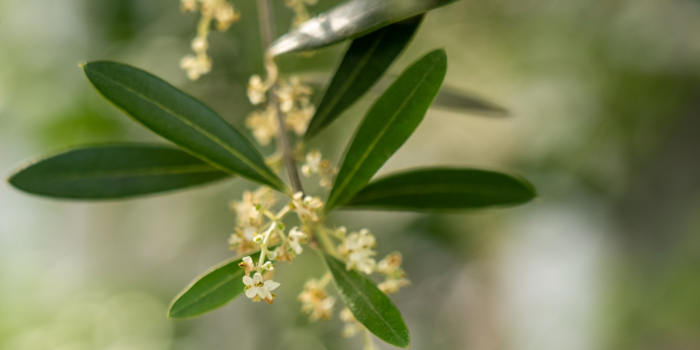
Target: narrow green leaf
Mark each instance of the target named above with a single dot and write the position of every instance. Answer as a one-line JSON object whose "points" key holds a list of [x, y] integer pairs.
{"points": [[349, 20], [114, 171], [369, 305], [452, 98], [181, 119], [389, 123], [449, 98], [438, 189], [365, 61], [212, 290]]}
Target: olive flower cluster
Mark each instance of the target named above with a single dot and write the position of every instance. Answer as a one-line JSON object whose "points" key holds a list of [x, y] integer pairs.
{"points": [[219, 12], [294, 103]]}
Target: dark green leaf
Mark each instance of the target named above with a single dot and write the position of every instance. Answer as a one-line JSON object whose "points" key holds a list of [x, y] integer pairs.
{"points": [[350, 20], [449, 98], [389, 123], [114, 171], [212, 290], [452, 99], [181, 119], [434, 189], [364, 63], [369, 305]]}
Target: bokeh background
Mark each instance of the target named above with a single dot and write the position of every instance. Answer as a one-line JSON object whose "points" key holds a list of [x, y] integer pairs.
{"points": [[605, 102]]}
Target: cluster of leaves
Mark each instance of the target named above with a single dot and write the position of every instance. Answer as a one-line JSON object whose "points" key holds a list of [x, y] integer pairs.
{"points": [[211, 150]]}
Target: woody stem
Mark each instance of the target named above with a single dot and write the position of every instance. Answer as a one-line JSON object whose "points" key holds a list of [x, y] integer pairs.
{"points": [[267, 28]]}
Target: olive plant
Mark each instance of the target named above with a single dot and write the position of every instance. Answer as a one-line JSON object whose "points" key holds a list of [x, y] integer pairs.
{"points": [[210, 150]]}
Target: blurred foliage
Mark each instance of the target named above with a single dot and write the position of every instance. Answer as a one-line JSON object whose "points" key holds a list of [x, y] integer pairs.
{"points": [[604, 100]]}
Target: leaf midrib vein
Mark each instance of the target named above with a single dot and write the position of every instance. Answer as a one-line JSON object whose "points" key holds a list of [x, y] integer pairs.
{"points": [[209, 291], [346, 278], [418, 189], [352, 77], [369, 149], [157, 171], [193, 126]]}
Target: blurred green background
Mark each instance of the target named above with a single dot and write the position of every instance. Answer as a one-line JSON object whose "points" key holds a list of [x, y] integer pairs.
{"points": [[605, 102]]}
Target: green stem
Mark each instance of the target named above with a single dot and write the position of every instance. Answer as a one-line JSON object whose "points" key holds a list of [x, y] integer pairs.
{"points": [[326, 241], [325, 280]]}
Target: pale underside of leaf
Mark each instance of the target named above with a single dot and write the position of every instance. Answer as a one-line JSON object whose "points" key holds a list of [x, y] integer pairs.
{"points": [[349, 20]]}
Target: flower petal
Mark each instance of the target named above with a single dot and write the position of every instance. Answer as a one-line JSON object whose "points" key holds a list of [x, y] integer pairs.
{"points": [[247, 280], [271, 285]]}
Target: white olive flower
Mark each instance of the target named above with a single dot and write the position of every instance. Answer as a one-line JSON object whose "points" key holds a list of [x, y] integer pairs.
{"points": [[257, 90], [200, 45], [211, 10], [298, 119], [357, 249], [341, 232], [247, 264], [391, 286], [352, 326], [283, 254], [188, 5], [301, 14], [234, 241], [249, 217], [196, 66], [257, 289], [211, 7], [225, 15], [296, 238], [264, 125], [313, 163], [306, 207], [247, 213], [315, 302], [293, 93], [272, 255], [316, 165], [391, 264]]}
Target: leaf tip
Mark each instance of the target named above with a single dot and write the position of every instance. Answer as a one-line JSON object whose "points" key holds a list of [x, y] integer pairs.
{"points": [[529, 188], [15, 179], [12, 179], [442, 56], [178, 313], [173, 315]]}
